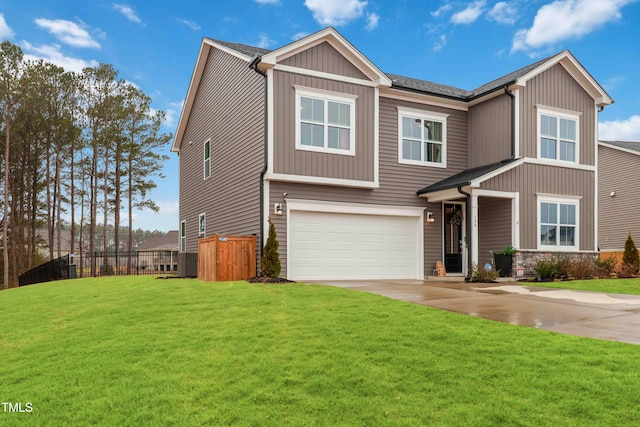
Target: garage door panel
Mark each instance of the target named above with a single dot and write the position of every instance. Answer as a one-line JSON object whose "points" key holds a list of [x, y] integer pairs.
{"points": [[348, 246]]}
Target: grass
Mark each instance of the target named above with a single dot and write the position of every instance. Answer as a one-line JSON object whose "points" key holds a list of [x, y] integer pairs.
{"points": [[614, 286], [140, 351]]}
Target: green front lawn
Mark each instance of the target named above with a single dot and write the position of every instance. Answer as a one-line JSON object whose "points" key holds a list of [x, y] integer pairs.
{"points": [[615, 286], [136, 351]]}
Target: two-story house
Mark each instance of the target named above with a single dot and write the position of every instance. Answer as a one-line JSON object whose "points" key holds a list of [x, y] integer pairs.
{"points": [[372, 175]]}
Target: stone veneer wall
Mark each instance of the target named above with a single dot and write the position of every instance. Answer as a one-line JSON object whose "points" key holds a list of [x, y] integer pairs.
{"points": [[526, 260]]}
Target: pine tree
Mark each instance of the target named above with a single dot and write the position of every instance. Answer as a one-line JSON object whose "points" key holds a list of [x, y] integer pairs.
{"points": [[270, 258], [631, 254]]}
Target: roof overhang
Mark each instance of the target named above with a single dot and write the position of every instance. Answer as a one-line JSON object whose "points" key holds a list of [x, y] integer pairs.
{"points": [[617, 147]]}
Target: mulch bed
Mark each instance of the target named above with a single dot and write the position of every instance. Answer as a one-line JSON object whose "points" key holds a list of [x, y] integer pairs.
{"points": [[265, 279]]}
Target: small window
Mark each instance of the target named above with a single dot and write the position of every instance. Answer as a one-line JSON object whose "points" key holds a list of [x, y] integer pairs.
{"points": [[325, 122], [202, 220], [422, 138], [207, 159], [558, 224], [183, 236], [558, 135]]}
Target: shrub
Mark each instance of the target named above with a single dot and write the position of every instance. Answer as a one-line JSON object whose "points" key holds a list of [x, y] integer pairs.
{"points": [[605, 267], [630, 255], [546, 269], [270, 264], [581, 268], [627, 271], [480, 274]]}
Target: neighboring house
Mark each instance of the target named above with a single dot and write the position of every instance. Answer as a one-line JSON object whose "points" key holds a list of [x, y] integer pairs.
{"points": [[618, 195], [159, 253], [374, 175], [42, 238]]}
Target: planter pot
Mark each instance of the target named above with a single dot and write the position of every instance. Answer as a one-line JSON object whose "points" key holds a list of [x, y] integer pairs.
{"points": [[503, 264]]}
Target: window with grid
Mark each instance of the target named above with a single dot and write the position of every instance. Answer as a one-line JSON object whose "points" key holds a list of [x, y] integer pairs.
{"points": [[422, 138], [558, 224], [558, 136]]}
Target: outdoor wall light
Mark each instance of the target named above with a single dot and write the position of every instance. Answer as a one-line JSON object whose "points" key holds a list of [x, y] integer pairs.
{"points": [[613, 194], [277, 208], [430, 217]]}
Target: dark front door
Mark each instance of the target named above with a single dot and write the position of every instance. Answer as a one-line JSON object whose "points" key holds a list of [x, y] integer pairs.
{"points": [[453, 238]]}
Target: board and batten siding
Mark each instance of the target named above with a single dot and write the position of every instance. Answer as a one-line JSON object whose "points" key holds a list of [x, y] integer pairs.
{"points": [[490, 131], [325, 58], [556, 88], [494, 226], [289, 160], [618, 216], [530, 179], [228, 111]]}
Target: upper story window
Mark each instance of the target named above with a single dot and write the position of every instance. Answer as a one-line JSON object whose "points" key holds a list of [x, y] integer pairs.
{"points": [[183, 236], [325, 121], [207, 159], [558, 137], [558, 223], [202, 222], [422, 138]]}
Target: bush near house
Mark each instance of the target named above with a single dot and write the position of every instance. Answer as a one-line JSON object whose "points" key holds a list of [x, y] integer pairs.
{"points": [[630, 256], [271, 266], [565, 268]]}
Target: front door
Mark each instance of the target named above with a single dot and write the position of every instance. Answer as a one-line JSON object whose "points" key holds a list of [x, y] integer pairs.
{"points": [[453, 237]]}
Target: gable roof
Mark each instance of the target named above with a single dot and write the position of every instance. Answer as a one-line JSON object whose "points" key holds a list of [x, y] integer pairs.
{"points": [[466, 177], [629, 146], [168, 242]]}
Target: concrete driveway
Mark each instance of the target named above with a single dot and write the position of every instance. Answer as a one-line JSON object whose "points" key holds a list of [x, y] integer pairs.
{"points": [[598, 315]]}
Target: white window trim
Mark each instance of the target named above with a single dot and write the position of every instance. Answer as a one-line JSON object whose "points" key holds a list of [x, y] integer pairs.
{"points": [[563, 114], [424, 115], [202, 230], [182, 243], [325, 95], [206, 160], [566, 200]]}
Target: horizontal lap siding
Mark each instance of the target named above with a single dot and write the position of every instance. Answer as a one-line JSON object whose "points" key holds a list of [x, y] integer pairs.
{"points": [[490, 131], [556, 88], [288, 160], [324, 58], [228, 110], [530, 179], [619, 215]]}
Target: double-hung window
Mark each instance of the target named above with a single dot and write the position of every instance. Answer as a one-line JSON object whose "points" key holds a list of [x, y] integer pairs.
{"points": [[202, 222], [558, 136], [422, 138], [558, 223], [325, 121], [207, 159], [183, 236]]}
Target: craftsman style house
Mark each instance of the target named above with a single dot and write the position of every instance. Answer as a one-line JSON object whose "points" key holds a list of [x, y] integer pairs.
{"points": [[373, 175]]}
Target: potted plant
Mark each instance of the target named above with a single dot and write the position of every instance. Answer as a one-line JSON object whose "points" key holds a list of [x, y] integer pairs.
{"points": [[503, 260]]}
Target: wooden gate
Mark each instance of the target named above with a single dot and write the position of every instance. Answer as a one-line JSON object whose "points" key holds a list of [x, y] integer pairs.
{"points": [[226, 258]]}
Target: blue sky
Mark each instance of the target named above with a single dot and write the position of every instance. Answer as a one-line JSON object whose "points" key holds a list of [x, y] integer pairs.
{"points": [[459, 43]]}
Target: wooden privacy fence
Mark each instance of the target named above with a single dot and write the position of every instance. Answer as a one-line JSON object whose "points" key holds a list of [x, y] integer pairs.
{"points": [[224, 258]]}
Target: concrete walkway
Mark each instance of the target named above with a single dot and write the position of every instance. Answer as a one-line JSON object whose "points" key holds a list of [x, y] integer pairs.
{"points": [[598, 315]]}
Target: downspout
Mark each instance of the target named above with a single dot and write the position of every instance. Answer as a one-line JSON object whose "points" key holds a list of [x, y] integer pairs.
{"points": [[254, 66], [469, 229], [513, 121]]}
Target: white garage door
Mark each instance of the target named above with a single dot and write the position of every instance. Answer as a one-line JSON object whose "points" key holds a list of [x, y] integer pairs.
{"points": [[352, 246]]}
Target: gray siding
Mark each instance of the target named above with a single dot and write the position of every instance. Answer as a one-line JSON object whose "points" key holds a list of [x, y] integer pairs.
{"points": [[530, 179], [324, 57], [228, 110], [433, 239], [490, 131], [494, 226], [618, 216], [556, 88], [288, 160]]}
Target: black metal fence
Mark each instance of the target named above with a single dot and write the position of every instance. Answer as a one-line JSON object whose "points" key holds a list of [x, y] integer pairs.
{"points": [[57, 269], [114, 263]]}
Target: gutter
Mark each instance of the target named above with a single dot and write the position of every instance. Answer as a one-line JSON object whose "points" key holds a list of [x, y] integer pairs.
{"points": [[254, 66], [469, 228]]}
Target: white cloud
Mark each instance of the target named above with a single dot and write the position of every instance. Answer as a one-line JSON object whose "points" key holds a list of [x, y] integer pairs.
{"points": [[172, 114], [566, 20], [191, 24], [442, 9], [68, 32], [504, 13], [442, 41], [300, 35], [372, 21], [52, 53], [128, 12], [470, 14], [335, 12], [265, 41], [5, 30], [620, 130]]}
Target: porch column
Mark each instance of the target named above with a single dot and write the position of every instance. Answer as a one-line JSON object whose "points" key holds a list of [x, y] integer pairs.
{"points": [[474, 229]]}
